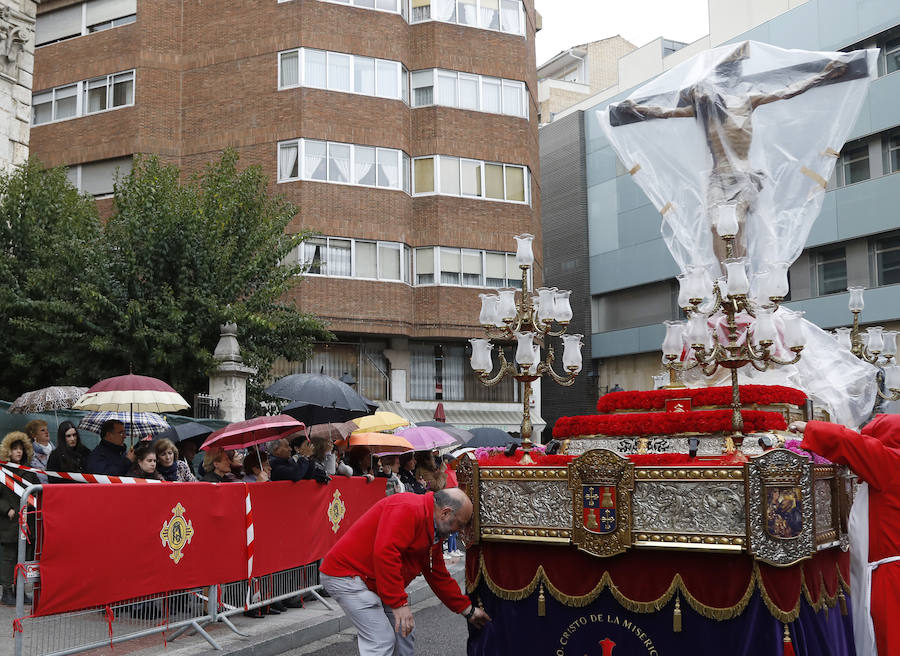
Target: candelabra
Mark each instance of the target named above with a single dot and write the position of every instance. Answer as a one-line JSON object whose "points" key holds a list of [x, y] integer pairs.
{"points": [[875, 345], [529, 320], [746, 331]]}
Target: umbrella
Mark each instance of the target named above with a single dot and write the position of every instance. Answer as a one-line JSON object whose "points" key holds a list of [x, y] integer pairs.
{"points": [[425, 438], [318, 389], [133, 393], [381, 442], [462, 435], [182, 432], [331, 430], [380, 421], [57, 397], [311, 414], [139, 424], [243, 434], [439, 414], [490, 437]]}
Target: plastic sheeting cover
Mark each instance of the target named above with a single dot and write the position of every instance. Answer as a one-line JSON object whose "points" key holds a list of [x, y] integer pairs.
{"points": [[753, 132]]}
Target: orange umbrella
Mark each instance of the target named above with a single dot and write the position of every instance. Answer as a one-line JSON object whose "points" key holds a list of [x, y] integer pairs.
{"points": [[381, 442]]}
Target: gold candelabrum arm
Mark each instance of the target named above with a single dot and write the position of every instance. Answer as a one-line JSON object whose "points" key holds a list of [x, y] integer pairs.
{"points": [[505, 369], [546, 367]]}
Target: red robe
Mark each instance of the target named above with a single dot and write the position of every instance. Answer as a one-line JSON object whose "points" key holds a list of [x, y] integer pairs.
{"points": [[391, 545], [875, 457]]}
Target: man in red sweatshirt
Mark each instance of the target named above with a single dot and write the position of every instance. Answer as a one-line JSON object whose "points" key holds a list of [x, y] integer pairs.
{"points": [[367, 571]]}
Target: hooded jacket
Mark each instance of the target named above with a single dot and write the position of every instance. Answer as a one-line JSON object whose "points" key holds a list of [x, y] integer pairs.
{"points": [[9, 500]]}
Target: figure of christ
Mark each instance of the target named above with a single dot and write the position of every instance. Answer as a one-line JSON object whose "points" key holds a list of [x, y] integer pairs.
{"points": [[724, 111]]}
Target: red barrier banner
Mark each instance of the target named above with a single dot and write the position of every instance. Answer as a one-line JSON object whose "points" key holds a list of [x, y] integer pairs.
{"points": [[296, 523], [106, 543]]}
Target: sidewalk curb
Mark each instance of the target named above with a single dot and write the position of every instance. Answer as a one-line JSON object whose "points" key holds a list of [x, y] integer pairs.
{"points": [[328, 625]]}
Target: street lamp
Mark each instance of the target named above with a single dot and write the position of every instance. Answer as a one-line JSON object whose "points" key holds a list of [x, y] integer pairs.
{"points": [[520, 316]]}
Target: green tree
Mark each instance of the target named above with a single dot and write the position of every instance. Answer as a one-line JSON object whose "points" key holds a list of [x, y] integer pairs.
{"points": [[178, 258]]}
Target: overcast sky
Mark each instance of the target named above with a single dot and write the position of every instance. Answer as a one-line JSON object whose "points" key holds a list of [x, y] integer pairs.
{"points": [[570, 22]]}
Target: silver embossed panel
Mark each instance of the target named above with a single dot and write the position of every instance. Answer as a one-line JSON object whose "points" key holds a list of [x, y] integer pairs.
{"points": [[526, 503], [703, 507], [655, 444], [823, 505]]}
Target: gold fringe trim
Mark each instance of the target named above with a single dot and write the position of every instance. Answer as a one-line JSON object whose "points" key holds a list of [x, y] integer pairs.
{"points": [[677, 584]]}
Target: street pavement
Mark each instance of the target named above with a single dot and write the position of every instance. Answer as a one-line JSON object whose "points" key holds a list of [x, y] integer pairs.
{"points": [[439, 632]]}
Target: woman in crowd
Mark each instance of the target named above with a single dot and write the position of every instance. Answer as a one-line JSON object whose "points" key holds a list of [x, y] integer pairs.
{"points": [[428, 471], [15, 448], [390, 469], [318, 461], [254, 471], [144, 462], [168, 464], [408, 476], [188, 451], [37, 432], [70, 454], [285, 467], [359, 459], [217, 465]]}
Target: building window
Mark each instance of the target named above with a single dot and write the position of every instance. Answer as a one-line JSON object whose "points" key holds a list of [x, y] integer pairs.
{"points": [[500, 15], [453, 176], [854, 164], [890, 145], [392, 6], [327, 161], [83, 18], [887, 260], [342, 257], [890, 54], [84, 97], [468, 91], [830, 271], [466, 267], [337, 71], [98, 178]]}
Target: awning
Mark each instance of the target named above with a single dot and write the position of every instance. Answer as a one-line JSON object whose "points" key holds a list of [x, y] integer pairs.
{"points": [[506, 420]]}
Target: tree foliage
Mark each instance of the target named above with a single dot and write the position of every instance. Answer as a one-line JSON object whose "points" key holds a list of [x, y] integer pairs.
{"points": [[154, 281]]}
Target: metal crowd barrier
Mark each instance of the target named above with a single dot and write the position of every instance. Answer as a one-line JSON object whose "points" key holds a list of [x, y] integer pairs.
{"points": [[172, 613]]}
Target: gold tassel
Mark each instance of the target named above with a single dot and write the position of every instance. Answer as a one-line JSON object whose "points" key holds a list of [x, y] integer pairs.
{"points": [[676, 616], [843, 600], [542, 605]]}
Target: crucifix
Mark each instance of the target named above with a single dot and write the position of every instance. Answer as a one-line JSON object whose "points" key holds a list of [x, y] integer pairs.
{"points": [[723, 103]]}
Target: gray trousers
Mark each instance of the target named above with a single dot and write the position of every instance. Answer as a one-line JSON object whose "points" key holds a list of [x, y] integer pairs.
{"points": [[373, 620]]}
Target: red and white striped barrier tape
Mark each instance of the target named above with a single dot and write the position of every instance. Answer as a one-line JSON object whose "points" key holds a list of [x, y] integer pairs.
{"points": [[85, 478], [8, 479]]}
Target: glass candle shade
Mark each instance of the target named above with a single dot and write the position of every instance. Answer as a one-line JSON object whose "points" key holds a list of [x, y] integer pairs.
{"points": [[794, 331], [532, 370], [525, 349], [738, 283], [683, 292], [547, 309], [524, 254], [481, 354], [673, 343], [776, 283], [572, 352], [875, 342], [698, 332], [842, 335], [488, 314], [727, 221], [562, 307], [856, 303], [892, 377], [764, 327], [506, 308], [890, 343]]}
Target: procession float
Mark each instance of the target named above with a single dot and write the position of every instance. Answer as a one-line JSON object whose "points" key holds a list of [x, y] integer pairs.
{"points": [[686, 520]]}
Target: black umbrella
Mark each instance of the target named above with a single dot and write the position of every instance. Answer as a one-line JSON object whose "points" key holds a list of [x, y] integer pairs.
{"points": [[185, 431], [318, 389], [491, 437], [311, 414]]}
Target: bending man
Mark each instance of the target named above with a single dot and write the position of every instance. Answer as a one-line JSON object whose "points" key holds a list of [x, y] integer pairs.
{"points": [[397, 539], [874, 524]]}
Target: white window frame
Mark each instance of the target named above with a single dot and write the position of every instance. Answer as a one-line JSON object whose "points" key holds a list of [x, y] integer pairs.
{"points": [[436, 263], [437, 179], [81, 88], [479, 26], [78, 183], [502, 82], [301, 75], [401, 4], [85, 28], [402, 160], [403, 250]]}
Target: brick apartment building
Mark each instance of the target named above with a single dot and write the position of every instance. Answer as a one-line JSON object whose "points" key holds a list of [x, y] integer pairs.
{"points": [[405, 130]]}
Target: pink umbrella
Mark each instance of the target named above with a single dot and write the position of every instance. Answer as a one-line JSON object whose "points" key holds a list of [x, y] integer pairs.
{"points": [[425, 438], [243, 434]]}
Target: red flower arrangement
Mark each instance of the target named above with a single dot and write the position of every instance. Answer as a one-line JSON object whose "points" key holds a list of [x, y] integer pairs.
{"points": [[701, 396], [665, 423], [648, 460]]}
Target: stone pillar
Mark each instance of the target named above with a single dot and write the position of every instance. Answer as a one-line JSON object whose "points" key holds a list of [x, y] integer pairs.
{"points": [[228, 382], [16, 70]]}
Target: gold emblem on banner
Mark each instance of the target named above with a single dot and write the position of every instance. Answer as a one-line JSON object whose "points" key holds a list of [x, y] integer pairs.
{"points": [[176, 533], [336, 511]]}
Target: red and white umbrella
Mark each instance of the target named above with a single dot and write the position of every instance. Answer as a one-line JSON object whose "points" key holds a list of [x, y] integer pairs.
{"points": [[244, 434], [132, 393]]}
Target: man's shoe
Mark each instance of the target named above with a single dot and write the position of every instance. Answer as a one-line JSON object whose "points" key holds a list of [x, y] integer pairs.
{"points": [[271, 610], [256, 613], [293, 602]]}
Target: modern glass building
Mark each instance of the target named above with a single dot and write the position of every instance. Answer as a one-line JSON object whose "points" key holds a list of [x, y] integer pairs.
{"points": [[590, 200]]}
